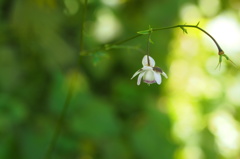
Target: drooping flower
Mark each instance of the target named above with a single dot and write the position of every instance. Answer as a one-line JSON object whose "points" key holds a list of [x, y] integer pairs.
{"points": [[149, 73]]}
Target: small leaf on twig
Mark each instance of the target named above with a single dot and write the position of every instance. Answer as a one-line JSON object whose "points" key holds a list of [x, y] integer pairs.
{"points": [[184, 30], [219, 62], [143, 32], [221, 55], [99, 56], [150, 40]]}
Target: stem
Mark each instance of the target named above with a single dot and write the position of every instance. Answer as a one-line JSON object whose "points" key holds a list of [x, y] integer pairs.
{"points": [[150, 30], [82, 24], [60, 122], [110, 46], [171, 27], [148, 44], [126, 40], [191, 26]]}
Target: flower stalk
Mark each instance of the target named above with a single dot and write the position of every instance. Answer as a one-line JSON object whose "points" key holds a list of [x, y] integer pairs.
{"points": [[58, 128], [148, 45], [192, 26]]}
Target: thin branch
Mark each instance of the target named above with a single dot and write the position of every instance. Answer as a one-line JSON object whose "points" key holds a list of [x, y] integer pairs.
{"points": [[191, 26], [60, 121], [84, 12], [140, 33], [148, 32], [148, 46], [126, 40]]}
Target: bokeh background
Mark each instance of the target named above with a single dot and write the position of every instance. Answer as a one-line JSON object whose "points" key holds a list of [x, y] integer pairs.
{"points": [[194, 114]]}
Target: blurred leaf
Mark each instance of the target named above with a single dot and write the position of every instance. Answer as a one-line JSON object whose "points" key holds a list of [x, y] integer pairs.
{"points": [[152, 140], [94, 119], [98, 57], [143, 32]]}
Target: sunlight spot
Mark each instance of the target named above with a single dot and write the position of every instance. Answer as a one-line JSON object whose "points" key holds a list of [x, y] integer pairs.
{"points": [[107, 26], [190, 13], [192, 152], [225, 29], [189, 46], [211, 64], [213, 88], [179, 70], [196, 84], [187, 119], [233, 93], [111, 3], [72, 6], [227, 133], [209, 8]]}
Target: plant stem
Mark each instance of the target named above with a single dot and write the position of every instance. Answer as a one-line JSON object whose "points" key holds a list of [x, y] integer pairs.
{"points": [[191, 26], [84, 12], [60, 122], [126, 40], [148, 44], [164, 28]]}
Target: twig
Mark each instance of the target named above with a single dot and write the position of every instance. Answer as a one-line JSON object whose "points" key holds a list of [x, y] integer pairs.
{"points": [[60, 121]]}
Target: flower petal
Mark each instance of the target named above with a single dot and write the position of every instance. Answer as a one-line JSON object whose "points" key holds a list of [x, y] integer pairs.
{"points": [[147, 68], [149, 76], [145, 61], [136, 73], [140, 78], [158, 77], [164, 74]]}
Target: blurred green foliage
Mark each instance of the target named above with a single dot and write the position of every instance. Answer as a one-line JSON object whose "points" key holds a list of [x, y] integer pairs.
{"points": [[109, 116]]}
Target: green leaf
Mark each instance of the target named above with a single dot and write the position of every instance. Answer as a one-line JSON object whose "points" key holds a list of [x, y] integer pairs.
{"points": [[150, 40], [98, 56], [227, 58], [143, 32], [107, 47], [184, 30], [224, 55], [219, 62]]}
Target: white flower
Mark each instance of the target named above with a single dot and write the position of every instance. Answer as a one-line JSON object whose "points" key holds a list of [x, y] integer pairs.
{"points": [[149, 73]]}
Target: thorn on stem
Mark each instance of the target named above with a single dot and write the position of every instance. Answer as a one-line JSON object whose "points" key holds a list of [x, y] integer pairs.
{"points": [[197, 23]]}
